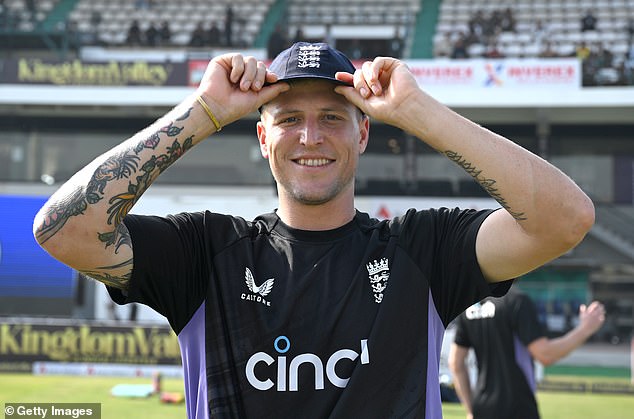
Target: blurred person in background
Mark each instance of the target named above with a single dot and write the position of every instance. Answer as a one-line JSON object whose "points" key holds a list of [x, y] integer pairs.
{"points": [[548, 51], [540, 32], [214, 35], [444, 46], [506, 336], [629, 28], [228, 27], [198, 36], [493, 50], [628, 64], [314, 307], [165, 33], [152, 35], [299, 35], [588, 21], [460, 48], [135, 36], [278, 41], [508, 21]]}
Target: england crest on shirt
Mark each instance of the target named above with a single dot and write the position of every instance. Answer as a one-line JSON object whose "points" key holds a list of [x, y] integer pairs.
{"points": [[379, 273]]}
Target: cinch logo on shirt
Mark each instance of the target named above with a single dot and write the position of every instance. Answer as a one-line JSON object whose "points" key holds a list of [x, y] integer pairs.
{"points": [[288, 370], [478, 311]]}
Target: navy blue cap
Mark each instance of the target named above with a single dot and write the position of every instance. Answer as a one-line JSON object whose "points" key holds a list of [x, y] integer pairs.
{"points": [[304, 60]]}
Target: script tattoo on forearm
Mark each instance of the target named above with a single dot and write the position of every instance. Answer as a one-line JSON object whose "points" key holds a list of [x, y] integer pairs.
{"points": [[488, 184], [123, 165]]}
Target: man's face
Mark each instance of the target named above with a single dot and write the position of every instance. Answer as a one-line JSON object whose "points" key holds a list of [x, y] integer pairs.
{"points": [[312, 137]]}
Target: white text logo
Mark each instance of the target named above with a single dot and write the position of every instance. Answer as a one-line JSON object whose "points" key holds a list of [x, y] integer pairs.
{"points": [[287, 377], [259, 292], [481, 311]]}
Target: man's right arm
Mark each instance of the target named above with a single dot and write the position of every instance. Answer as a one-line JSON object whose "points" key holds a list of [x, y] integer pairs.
{"points": [[82, 223], [548, 351]]}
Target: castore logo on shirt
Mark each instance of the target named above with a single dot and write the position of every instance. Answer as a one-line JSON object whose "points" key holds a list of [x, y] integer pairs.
{"points": [[257, 292]]}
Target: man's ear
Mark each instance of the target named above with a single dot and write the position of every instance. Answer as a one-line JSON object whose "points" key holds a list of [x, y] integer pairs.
{"points": [[364, 131], [261, 129]]}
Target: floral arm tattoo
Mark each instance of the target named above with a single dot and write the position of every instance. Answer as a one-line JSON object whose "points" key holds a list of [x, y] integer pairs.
{"points": [[488, 184], [141, 171]]}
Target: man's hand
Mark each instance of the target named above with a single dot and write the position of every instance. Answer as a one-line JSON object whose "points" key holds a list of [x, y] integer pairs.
{"points": [[592, 317], [234, 86], [383, 89]]}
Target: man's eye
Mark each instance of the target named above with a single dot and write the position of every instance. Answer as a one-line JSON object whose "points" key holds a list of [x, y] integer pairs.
{"points": [[331, 117], [289, 120]]}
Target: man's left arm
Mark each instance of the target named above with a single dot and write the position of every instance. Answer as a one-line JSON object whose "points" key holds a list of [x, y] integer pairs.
{"points": [[544, 213], [459, 371]]}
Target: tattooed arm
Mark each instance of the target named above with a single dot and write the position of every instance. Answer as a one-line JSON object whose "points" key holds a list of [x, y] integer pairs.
{"points": [[545, 212], [81, 224]]}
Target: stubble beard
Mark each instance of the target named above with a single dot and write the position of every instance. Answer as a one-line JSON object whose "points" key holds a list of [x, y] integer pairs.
{"points": [[297, 193]]}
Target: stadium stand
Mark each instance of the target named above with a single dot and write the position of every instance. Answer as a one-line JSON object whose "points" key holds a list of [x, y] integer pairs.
{"points": [[545, 29], [116, 16], [24, 15], [353, 12], [561, 19], [387, 25], [405, 28]]}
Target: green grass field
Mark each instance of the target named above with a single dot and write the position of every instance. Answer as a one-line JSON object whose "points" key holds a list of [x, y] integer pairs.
{"points": [[564, 405], [556, 405], [70, 389], [28, 388]]}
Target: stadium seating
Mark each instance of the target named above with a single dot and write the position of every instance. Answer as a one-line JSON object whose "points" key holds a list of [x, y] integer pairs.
{"points": [[562, 19], [372, 19], [17, 15], [117, 16], [108, 21], [352, 12]]}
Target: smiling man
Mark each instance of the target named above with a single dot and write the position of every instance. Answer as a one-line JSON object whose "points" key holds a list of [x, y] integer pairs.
{"points": [[315, 309], [313, 140]]}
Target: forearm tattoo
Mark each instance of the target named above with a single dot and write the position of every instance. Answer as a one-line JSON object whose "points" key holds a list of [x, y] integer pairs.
{"points": [[109, 274], [140, 170], [488, 184]]}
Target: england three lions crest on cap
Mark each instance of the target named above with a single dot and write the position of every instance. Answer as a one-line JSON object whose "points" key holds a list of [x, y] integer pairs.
{"points": [[379, 273], [305, 60], [308, 56]]}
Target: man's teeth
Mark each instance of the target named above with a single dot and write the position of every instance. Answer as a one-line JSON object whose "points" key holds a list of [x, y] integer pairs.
{"points": [[313, 162]]}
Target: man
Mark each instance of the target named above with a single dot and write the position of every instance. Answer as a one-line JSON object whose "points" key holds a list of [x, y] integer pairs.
{"points": [[588, 21], [506, 336], [315, 309]]}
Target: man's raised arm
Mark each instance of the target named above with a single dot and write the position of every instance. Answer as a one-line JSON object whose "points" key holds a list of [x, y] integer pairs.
{"points": [[545, 212], [82, 223]]}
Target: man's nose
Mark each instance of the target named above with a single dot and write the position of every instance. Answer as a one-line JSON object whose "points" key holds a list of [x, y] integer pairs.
{"points": [[311, 133]]}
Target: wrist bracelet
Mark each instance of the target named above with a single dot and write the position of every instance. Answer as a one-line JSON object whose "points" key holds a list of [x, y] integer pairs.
{"points": [[209, 113]]}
